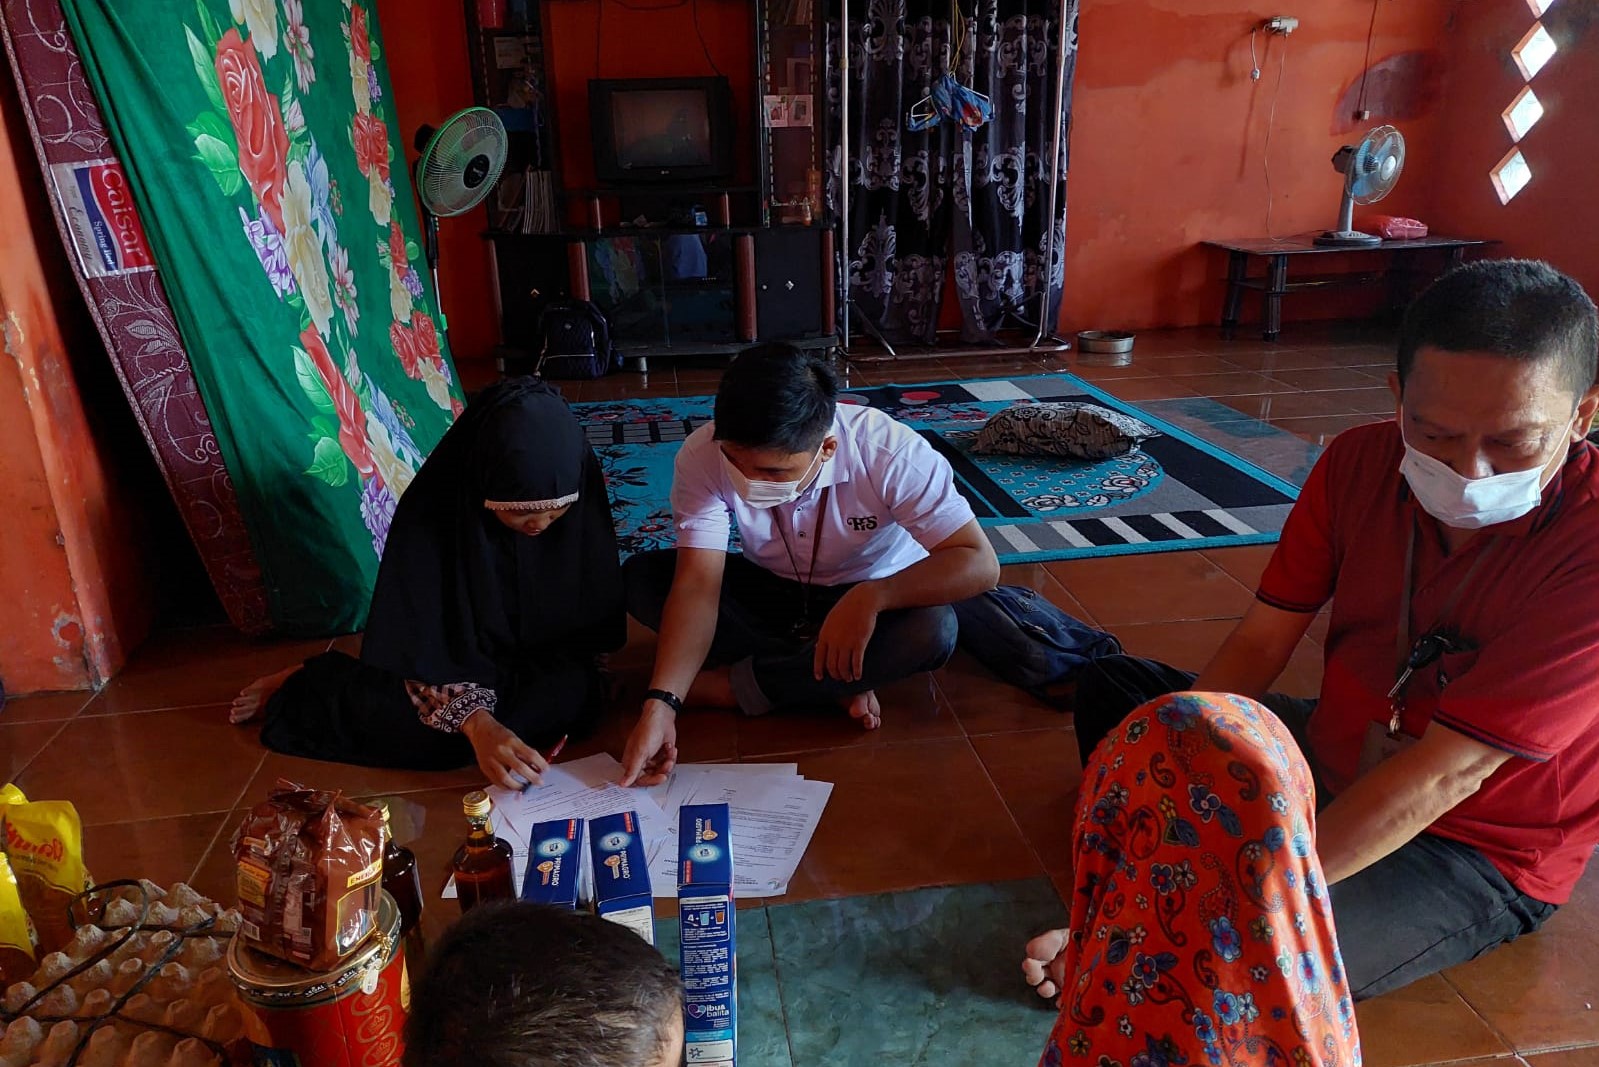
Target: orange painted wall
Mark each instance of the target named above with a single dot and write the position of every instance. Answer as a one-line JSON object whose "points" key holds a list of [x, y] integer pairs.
{"points": [[426, 48], [76, 574], [424, 43], [1167, 141], [1555, 217], [1168, 136], [626, 42]]}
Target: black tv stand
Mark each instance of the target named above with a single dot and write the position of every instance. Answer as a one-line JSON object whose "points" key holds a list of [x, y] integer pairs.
{"points": [[765, 265], [675, 290]]}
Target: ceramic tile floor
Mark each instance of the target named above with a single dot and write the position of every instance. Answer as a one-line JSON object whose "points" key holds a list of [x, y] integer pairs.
{"points": [[968, 781]]}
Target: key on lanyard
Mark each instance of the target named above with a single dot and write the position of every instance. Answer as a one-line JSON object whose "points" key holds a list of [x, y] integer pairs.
{"points": [[1424, 654]]}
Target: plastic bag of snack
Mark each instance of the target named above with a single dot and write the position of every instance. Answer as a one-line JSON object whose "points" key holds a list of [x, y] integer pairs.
{"points": [[44, 842], [16, 932], [1394, 227], [309, 864]]}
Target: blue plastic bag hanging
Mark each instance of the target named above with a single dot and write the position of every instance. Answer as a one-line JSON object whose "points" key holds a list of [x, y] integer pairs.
{"points": [[949, 99]]}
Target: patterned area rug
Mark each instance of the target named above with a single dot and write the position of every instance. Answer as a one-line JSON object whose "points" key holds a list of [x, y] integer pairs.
{"points": [[1176, 492]]}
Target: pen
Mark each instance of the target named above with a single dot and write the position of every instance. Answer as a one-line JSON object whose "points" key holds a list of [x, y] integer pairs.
{"points": [[556, 751]]}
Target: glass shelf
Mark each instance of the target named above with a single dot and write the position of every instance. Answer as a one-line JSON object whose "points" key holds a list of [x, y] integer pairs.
{"points": [[793, 110], [665, 289]]}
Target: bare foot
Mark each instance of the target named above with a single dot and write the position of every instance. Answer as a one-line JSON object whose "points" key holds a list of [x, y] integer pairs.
{"points": [[865, 707], [247, 706], [712, 689], [1044, 962]]}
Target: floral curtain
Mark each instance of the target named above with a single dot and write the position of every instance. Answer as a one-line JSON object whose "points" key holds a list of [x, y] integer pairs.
{"points": [[258, 141], [977, 200]]}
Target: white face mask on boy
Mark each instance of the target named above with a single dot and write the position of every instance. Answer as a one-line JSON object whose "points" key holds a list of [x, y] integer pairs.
{"points": [[1472, 503], [763, 495]]}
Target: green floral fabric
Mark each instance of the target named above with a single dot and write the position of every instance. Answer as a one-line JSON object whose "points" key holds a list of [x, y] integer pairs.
{"points": [[264, 156]]}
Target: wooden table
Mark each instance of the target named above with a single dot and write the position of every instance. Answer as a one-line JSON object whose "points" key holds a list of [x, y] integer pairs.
{"points": [[1274, 284]]}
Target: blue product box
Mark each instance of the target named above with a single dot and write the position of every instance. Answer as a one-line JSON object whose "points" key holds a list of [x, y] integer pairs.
{"points": [[706, 931], [621, 873], [554, 864]]}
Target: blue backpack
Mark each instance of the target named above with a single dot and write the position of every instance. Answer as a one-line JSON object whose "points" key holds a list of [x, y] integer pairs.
{"points": [[1029, 642]]}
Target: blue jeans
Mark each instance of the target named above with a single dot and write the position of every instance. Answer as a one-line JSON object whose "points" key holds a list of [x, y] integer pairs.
{"points": [[1429, 905], [766, 626]]}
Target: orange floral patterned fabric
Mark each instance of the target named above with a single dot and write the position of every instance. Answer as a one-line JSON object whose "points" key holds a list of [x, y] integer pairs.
{"points": [[1202, 929]]}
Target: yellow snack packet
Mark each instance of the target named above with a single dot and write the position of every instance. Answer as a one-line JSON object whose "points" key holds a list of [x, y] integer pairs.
{"points": [[44, 842], [16, 932]]}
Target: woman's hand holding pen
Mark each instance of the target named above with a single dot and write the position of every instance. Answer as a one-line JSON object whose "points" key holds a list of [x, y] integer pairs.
{"points": [[504, 758]]}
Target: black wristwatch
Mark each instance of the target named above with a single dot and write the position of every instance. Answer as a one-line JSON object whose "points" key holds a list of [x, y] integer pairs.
{"points": [[671, 700]]}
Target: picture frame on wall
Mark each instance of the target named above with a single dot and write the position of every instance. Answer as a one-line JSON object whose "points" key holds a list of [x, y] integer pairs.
{"points": [[776, 111], [798, 76]]}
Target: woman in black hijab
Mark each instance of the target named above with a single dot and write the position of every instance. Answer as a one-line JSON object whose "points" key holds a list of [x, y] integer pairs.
{"points": [[500, 586]]}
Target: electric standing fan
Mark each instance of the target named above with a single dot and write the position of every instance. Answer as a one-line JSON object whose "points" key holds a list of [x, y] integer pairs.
{"points": [[1370, 170], [459, 163]]}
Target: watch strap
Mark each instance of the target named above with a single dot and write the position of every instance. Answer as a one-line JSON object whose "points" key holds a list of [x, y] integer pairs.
{"points": [[671, 700]]}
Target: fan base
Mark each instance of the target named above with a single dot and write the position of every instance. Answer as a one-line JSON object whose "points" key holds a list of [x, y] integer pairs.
{"points": [[1348, 239]]}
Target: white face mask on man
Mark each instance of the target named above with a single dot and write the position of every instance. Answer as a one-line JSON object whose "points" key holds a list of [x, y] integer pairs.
{"points": [[763, 495], [1472, 503]]}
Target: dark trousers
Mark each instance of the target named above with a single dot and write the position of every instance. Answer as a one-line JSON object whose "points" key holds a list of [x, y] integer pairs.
{"points": [[1429, 905], [759, 633]]}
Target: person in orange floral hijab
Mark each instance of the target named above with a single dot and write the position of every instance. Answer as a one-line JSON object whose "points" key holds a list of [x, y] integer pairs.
{"points": [[1201, 931]]}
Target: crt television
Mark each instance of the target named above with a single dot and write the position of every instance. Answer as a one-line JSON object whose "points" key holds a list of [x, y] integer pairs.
{"points": [[655, 130]]}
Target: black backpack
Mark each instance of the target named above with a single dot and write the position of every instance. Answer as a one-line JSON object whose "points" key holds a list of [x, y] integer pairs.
{"points": [[575, 341]]}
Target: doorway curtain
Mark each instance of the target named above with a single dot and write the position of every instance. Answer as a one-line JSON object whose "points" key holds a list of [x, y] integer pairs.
{"points": [[970, 206]]}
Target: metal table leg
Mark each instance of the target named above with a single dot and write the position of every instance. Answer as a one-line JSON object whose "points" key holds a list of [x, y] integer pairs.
{"points": [[1237, 267], [1276, 286]]}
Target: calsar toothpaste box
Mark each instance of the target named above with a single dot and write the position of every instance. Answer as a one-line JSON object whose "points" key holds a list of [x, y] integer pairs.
{"points": [[706, 932], [621, 873], [555, 864]]}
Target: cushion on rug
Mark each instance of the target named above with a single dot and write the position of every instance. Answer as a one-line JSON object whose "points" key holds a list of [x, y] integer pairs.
{"points": [[1077, 430]]}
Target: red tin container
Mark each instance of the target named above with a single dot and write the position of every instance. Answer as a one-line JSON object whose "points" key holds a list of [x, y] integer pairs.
{"points": [[350, 1016]]}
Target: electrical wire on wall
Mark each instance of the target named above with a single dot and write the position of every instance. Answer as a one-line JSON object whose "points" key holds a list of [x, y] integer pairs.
{"points": [[1271, 121], [633, 5], [1365, 71], [700, 33]]}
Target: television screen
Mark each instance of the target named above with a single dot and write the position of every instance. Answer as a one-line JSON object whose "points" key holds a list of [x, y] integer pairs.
{"points": [[655, 129]]}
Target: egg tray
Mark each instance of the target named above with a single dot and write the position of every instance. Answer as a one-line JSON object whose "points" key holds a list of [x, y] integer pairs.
{"points": [[120, 994]]}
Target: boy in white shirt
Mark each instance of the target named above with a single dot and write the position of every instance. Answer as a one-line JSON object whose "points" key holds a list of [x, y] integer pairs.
{"points": [[855, 542]]}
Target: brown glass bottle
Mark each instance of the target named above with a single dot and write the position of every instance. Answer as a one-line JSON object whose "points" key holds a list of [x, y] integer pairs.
{"points": [[482, 864], [403, 882], [401, 879]]}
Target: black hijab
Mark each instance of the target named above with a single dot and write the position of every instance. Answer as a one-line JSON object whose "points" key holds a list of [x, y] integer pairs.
{"points": [[460, 597]]}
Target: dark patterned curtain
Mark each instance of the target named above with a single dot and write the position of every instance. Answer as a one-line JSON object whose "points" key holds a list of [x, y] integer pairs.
{"points": [[979, 199]]}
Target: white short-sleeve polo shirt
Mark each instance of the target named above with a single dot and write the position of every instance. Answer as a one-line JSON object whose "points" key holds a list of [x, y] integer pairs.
{"points": [[892, 499]]}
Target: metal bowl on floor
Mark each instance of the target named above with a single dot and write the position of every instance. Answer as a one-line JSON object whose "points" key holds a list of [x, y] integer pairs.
{"points": [[1104, 348]]}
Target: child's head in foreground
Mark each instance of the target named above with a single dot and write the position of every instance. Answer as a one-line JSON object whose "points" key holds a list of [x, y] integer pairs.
{"points": [[524, 985]]}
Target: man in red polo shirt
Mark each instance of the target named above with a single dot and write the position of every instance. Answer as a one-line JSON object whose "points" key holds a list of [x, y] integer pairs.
{"points": [[1463, 539]]}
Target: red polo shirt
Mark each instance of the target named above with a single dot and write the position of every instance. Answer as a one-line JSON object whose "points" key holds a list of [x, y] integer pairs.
{"points": [[1530, 684]]}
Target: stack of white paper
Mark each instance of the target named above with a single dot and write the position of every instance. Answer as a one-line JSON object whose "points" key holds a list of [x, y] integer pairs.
{"points": [[775, 811]]}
